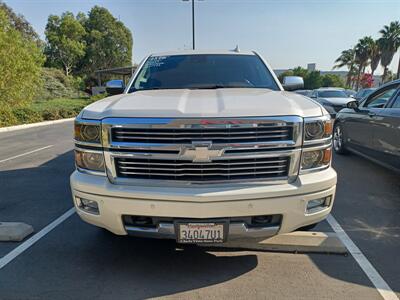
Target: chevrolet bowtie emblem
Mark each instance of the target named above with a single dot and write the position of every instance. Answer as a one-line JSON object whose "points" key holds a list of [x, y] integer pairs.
{"points": [[200, 152]]}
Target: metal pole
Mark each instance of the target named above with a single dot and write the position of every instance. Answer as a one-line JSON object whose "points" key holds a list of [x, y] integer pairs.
{"points": [[193, 24]]}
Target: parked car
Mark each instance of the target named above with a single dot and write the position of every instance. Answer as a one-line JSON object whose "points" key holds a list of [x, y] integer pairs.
{"points": [[204, 147], [350, 93], [372, 128], [306, 93], [363, 93], [333, 99]]}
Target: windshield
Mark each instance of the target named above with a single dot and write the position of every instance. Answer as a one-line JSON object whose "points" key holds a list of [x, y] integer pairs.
{"points": [[203, 72], [332, 94], [366, 92]]}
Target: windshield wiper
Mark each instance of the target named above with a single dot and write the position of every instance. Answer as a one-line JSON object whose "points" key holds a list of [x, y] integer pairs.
{"points": [[208, 87]]}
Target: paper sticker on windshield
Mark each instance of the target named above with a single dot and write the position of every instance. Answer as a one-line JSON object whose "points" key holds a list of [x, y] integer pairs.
{"points": [[156, 61]]}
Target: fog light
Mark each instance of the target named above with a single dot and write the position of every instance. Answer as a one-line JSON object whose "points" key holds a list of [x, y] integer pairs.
{"points": [[89, 206], [316, 205]]}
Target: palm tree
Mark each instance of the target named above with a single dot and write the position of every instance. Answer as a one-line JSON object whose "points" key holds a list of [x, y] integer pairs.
{"points": [[389, 43], [362, 50], [347, 59], [375, 56]]}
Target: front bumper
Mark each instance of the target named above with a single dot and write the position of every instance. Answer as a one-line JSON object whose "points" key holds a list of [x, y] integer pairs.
{"points": [[238, 200]]}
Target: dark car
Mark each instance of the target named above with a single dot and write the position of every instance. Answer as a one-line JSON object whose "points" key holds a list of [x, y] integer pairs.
{"points": [[332, 99], [363, 93], [350, 93], [372, 128]]}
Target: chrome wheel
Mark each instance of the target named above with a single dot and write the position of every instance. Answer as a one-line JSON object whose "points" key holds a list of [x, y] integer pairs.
{"points": [[338, 139]]}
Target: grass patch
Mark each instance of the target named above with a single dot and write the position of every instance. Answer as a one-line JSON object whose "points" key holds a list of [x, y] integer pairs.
{"points": [[59, 108], [43, 110]]}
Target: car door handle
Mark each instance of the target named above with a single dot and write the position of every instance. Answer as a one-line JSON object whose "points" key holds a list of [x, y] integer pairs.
{"points": [[371, 114]]}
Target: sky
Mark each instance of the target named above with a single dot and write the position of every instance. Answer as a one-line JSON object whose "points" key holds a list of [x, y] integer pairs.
{"points": [[287, 33]]}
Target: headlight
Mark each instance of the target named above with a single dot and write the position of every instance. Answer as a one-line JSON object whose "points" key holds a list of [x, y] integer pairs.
{"points": [[89, 160], [317, 129], [89, 133], [316, 159]]}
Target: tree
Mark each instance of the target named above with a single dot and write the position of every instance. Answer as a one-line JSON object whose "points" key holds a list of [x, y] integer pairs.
{"points": [[299, 71], [19, 23], [332, 80], [362, 51], [109, 42], [313, 80], [65, 41], [375, 56], [347, 59], [20, 67], [388, 44]]}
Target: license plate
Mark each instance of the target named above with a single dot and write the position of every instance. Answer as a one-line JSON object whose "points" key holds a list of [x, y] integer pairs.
{"points": [[196, 233]]}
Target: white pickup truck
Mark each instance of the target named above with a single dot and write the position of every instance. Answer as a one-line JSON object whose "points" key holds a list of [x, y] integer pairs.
{"points": [[203, 147]]}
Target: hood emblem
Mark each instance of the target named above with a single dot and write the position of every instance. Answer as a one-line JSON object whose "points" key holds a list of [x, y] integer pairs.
{"points": [[200, 152]]}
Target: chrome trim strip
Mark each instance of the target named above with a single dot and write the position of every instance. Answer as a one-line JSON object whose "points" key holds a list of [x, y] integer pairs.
{"points": [[314, 142], [77, 143], [88, 150], [318, 147], [87, 121], [227, 146]]}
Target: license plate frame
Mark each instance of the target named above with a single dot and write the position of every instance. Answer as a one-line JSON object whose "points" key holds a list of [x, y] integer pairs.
{"points": [[210, 237]]}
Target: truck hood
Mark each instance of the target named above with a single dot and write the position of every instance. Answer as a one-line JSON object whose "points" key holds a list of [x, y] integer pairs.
{"points": [[338, 101], [182, 103]]}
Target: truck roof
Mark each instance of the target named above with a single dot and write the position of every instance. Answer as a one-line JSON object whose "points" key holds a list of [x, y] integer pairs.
{"points": [[199, 52]]}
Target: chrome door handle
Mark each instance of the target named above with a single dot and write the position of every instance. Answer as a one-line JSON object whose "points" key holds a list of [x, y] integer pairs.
{"points": [[371, 114]]}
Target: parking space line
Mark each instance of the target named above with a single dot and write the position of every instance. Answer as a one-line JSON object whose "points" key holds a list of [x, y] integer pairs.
{"points": [[32, 240], [373, 275], [26, 153]]}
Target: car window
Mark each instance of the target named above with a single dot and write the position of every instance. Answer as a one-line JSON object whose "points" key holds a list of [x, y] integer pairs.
{"points": [[379, 100], [396, 103], [332, 94]]}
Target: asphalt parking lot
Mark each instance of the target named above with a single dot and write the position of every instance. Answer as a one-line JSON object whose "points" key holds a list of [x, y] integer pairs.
{"points": [[78, 261]]}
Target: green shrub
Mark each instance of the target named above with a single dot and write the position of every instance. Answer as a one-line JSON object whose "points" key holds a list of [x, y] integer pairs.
{"points": [[58, 85], [7, 117], [98, 97], [27, 115]]}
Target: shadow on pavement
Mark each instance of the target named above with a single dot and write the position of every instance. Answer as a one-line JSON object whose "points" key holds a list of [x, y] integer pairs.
{"points": [[80, 261]]}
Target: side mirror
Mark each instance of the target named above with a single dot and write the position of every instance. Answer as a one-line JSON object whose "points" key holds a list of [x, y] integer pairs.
{"points": [[291, 83], [352, 105], [115, 87]]}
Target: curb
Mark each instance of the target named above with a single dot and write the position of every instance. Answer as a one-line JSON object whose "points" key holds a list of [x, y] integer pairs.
{"points": [[294, 242], [14, 231], [32, 125]]}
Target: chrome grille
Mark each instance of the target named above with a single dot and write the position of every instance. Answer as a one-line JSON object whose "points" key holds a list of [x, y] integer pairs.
{"points": [[211, 150], [254, 133], [217, 170]]}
